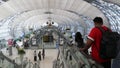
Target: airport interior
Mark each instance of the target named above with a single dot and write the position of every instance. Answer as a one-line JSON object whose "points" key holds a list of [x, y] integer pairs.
{"points": [[48, 27]]}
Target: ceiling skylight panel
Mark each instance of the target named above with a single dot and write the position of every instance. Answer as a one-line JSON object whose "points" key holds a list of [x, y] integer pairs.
{"points": [[45, 4], [38, 4], [18, 5], [26, 4], [61, 4], [52, 4], [76, 4], [69, 4], [5, 11]]}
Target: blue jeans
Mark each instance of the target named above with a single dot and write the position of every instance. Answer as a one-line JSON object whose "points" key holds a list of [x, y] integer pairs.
{"points": [[116, 63]]}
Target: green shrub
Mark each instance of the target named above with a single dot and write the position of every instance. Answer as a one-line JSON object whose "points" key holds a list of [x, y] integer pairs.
{"points": [[21, 51]]}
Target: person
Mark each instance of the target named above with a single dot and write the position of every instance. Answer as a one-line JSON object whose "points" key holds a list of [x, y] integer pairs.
{"points": [[14, 43], [116, 61], [10, 43], [36, 65], [93, 41], [19, 43], [35, 56], [39, 55], [26, 44], [79, 40], [43, 53]]}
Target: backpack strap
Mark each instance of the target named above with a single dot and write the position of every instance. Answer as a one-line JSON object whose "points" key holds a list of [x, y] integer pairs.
{"points": [[102, 30]]}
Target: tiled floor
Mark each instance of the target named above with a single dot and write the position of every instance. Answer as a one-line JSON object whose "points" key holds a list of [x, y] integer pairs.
{"points": [[50, 56]]}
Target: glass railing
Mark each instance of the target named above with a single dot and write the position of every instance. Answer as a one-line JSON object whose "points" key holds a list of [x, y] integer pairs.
{"points": [[73, 58], [5, 62], [29, 64]]}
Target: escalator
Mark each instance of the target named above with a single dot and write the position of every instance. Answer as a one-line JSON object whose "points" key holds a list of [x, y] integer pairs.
{"points": [[69, 56]]}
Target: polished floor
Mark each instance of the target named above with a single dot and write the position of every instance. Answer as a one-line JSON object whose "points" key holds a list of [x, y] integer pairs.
{"points": [[50, 56]]}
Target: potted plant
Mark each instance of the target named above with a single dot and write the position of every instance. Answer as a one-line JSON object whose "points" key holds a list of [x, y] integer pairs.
{"points": [[67, 28], [27, 36], [70, 37], [21, 51]]}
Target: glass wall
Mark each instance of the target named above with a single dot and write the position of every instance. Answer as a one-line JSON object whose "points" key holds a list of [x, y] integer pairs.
{"points": [[111, 11]]}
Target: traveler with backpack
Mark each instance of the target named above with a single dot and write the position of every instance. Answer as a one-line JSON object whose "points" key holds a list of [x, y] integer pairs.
{"points": [[94, 41]]}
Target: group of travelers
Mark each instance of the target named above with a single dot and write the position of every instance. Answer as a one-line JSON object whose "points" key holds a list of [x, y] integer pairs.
{"points": [[93, 41], [39, 55]]}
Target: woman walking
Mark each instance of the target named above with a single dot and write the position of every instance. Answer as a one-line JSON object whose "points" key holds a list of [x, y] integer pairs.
{"points": [[39, 55]]}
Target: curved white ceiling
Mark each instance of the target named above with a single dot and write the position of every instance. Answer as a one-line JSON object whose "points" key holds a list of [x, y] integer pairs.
{"points": [[62, 16], [58, 7]]}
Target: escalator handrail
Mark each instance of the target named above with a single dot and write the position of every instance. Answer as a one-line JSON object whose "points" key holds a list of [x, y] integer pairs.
{"points": [[11, 61]]}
